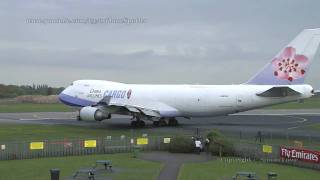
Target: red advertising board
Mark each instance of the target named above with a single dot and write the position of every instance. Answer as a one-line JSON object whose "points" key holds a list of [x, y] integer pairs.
{"points": [[300, 154]]}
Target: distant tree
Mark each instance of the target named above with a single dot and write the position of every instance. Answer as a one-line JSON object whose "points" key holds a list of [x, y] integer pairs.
{"points": [[11, 91], [49, 91]]}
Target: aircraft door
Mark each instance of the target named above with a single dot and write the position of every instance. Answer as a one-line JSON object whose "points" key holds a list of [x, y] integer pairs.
{"points": [[240, 102]]}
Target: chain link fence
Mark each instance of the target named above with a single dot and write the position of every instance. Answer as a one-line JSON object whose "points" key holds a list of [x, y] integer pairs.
{"points": [[254, 147], [272, 154], [75, 147]]}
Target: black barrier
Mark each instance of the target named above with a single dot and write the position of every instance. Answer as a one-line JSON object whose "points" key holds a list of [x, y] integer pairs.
{"points": [[272, 175], [55, 173]]}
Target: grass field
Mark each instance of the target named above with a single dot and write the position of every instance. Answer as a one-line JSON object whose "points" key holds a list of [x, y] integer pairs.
{"points": [[226, 168], [312, 103], [12, 132], [316, 126], [38, 169], [28, 107]]}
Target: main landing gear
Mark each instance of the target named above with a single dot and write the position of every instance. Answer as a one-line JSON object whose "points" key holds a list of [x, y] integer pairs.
{"points": [[137, 122], [163, 122]]}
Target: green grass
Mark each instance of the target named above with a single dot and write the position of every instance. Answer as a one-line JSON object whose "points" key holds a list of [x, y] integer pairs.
{"points": [[311, 103], [29, 107], [38, 169], [315, 126], [308, 142], [223, 169], [21, 132]]}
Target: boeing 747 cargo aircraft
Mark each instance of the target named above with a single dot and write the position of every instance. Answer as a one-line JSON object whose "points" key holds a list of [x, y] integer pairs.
{"points": [[279, 81]]}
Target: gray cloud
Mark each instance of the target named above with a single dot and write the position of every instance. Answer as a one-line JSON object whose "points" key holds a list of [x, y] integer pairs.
{"points": [[213, 42]]}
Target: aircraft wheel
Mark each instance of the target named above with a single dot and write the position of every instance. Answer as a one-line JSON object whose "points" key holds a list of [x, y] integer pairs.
{"points": [[173, 122], [78, 118], [162, 122], [134, 123], [156, 123], [141, 123]]}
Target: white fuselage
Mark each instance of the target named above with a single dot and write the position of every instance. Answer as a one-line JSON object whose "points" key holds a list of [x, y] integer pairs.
{"points": [[280, 80], [181, 100]]}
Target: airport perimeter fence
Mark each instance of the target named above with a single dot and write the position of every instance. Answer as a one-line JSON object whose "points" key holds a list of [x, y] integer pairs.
{"points": [[280, 154], [288, 138], [287, 147], [67, 147], [247, 149]]}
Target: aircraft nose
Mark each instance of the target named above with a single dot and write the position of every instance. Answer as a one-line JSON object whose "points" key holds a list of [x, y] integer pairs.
{"points": [[61, 96]]}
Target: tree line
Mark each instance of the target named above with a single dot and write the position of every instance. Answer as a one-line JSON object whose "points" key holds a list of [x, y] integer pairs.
{"points": [[12, 91]]}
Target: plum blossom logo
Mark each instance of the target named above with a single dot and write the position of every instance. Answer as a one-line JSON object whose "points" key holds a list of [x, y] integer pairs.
{"points": [[289, 65], [129, 93]]}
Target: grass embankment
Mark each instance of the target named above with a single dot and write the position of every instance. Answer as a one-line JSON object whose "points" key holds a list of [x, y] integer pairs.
{"points": [[29, 107], [21, 132], [124, 165], [311, 103], [225, 168], [315, 126]]}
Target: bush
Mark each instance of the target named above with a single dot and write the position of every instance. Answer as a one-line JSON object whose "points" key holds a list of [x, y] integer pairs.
{"points": [[219, 142], [181, 144], [215, 135]]}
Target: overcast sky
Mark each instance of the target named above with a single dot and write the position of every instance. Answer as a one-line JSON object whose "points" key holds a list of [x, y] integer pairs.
{"points": [[194, 42]]}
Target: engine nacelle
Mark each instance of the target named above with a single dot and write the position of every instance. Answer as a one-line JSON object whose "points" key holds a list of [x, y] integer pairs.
{"points": [[93, 113]]}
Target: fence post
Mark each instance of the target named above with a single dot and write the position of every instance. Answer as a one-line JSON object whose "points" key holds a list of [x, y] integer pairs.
{"points": [[159, 139]]}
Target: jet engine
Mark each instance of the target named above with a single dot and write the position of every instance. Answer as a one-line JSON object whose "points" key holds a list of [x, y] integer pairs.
{"points": [[93, 113]]}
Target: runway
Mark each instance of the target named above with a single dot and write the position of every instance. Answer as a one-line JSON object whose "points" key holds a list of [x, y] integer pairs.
{"points": [[273, 123]]}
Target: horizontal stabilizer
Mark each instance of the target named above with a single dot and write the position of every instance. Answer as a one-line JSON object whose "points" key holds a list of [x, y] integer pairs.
{"points": [[279, 92], [316, 93]]}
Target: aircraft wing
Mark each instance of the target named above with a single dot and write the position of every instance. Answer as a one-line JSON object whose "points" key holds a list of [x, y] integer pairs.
{"points": [[143, 107], [145, 111], [281, 91]]}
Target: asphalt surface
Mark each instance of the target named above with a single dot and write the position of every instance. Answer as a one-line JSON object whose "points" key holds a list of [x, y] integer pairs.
{"points": [[272, 123], [296, 124], [173, 162]]}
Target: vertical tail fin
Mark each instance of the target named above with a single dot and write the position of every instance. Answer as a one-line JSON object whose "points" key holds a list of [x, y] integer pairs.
{"points": [[292, 63]]}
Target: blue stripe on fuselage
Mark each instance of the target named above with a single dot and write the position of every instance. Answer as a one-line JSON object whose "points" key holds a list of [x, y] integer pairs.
{"points": [[73, 101]]}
